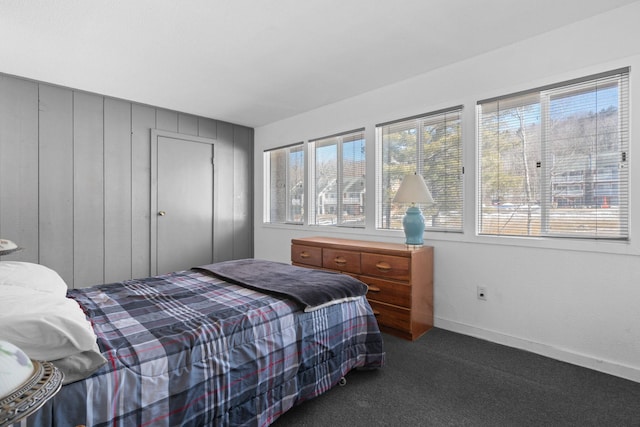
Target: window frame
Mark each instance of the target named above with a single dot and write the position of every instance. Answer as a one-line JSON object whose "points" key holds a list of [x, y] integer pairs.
{"points": [[436, 118], [543, 97], [286, 150], [339, 139]]}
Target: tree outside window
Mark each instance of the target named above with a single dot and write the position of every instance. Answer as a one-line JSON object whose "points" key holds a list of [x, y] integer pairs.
{"points": [[553, 161], [430, 145]]}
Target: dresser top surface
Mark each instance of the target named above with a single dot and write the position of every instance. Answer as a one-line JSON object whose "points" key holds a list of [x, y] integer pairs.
{"points": [[350, 244]]}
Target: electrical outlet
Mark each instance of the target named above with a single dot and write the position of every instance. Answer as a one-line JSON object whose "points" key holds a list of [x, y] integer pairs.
{"points": [[482, 293]]}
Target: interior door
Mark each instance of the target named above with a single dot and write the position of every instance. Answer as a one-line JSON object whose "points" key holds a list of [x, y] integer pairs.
{"points": [[184, 203]]}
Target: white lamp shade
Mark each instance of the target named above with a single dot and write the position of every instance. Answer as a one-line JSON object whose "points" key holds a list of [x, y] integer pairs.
{"points": [[25, 384], [7, 247], [15, 368], [413, 189]]}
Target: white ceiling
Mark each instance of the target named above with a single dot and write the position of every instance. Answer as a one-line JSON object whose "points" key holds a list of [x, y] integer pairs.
{"points": [[253, 62]]}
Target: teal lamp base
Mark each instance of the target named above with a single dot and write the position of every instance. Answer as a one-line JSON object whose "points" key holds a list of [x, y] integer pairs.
{"points": [[413, 223]]}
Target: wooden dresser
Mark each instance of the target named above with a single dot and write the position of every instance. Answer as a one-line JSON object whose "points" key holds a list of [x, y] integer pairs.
{"points": [[400, 279]]}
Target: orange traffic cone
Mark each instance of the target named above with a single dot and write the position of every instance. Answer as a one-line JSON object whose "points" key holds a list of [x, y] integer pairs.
{"points": [[605, 204]]}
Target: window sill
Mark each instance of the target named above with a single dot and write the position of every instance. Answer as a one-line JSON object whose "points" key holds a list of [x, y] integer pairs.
{"points": [[562, 244]]}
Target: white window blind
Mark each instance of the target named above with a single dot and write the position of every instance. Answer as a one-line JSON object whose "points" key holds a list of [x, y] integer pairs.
{"points": [[430, 145], [339, 179], [554, 161], [284, 184]]}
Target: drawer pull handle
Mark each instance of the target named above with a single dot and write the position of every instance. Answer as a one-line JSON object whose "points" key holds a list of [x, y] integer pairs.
{"points": [[383, 266], [340, 260], [376, 313], [374, 289], [304, 255]]}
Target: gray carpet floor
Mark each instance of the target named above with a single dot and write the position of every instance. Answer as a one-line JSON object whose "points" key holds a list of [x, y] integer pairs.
{"points": [[449, 379]]}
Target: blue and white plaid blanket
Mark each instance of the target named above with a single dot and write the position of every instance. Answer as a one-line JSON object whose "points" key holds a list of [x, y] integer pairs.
{"points": [[188, 349]]}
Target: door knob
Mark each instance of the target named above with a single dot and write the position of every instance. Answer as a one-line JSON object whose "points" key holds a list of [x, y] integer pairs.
{"points": [[162, 213]]}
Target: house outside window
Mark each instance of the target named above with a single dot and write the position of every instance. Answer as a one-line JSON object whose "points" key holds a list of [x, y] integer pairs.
{"points": [[338, 171], [430, 145], [284, 184], [553, 161]]}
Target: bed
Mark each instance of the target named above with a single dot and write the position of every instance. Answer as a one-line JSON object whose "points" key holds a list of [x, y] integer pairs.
{"points": [[194, 347]]}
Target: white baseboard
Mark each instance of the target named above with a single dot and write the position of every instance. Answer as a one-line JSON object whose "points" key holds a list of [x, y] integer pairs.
{"points": [[605, 366]]}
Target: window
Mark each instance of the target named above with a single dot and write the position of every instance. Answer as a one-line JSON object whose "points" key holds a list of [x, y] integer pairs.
{"points": [[338, 171], [554, 161], [284, 184], [430, 145]]}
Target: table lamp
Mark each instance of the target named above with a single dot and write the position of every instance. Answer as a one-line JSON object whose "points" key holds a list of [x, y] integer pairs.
{"points": [[413, 190], [25, 384], [7, 247]]}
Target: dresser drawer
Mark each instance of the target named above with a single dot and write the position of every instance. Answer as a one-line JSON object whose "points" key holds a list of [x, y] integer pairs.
{"points": [[308, 255], [389, 266], [392, 316], [346, 261], [389, 292]]}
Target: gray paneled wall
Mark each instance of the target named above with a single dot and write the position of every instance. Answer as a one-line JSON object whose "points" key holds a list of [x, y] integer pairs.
{"points": [[75, 171]]}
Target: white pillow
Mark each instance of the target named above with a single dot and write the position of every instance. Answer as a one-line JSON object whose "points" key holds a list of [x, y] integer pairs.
{"points": [[45, 326], [31, 276], [79, 366]]}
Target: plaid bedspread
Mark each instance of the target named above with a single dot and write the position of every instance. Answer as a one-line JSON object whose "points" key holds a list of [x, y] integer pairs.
{"points": [[188, 349]]}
